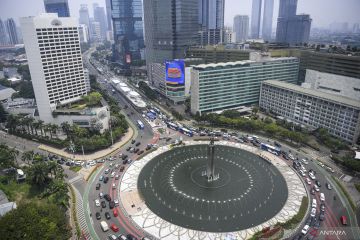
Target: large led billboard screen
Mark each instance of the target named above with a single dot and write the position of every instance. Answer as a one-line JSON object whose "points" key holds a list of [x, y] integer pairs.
{"points": [[175, 72]]}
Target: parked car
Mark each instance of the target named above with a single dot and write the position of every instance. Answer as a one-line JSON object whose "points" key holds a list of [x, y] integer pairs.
{"points": [[131, 237], [122, 168], [101, 178], [133, 141], [112, 237], [322, 207], [101, 195], [317, 182], [115, 212], [140, 152], [104, 226], [106, 179], [97, 186], [328, 186], [343, 220], [313, 212], [116, 201], [305, 229], [103, 204], [107, 215], [117, 177], [322, 216], [98, 216], [97, 202], [107, 197], [137, 144], [107, 171], [111, 204], [114, 227], [308, 181]]}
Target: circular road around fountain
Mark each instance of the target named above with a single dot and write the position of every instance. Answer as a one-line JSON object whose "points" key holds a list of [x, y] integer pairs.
{"points": [[249, 191]]}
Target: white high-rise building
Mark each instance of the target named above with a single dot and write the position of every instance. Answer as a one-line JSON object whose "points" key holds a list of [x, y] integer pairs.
{"points": [[84, 33], [52, 47], [241, 27]]}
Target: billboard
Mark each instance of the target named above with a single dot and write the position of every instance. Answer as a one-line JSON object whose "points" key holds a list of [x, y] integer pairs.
{"points": [[175, 72]]}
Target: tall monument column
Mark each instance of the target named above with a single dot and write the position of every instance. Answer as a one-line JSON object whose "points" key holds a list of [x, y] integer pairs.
{"points": [[210, 170]]}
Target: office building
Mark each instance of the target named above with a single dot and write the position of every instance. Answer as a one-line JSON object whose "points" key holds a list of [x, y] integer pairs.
{"points": [[241, 28], [315, 109], [61, 7], [12, 31], [84, 33], [233, 84], [229, 36], [128, 31], [84, 15], [99, 16], [53, 50], [217, 54], [95, 31], [3, 34], [267, 20], [291, 28], [334, 84], [171, 26], [255, 19], [108, 15], [211, 20]]}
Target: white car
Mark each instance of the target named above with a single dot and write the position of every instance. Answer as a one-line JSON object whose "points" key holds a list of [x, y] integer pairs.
{"points": [[312, 176], [313, 212], [291, 156], [114, 186], [117, 176], [116, 201], [316, 188], [322, 197], [305, 229], [97, 202], [112, 174], [101, 195], [92, 163], [304, 161], [302, 173], [308, 181]]}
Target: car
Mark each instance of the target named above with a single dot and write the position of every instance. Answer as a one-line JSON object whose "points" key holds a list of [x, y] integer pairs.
{"points": [[304, 161], [115, 212], [101, 178], [313, 221], [107, 215], [137, 144], [312, 176], [111, 165], [322, 207], [97, 186], [100, 161], [98, 216], [305, 229], [343, 220], [112, 174], [136, 150], [317, 225], [322, 197], [317, 182], [313, 212], [140, 152], [92, 163], [122, 237], [104, 226], [114, 227], [312, 191], [308, 181], [131, 237], [322, 216], [277, 144], [78, 163], [128, 149], [302, 173], [113, 186], [129, 161], [148, 148], [107, 171], [117, 176], [103, 204], [122, 168], [111, 204], [133, 141], [107, 197], [124, 157], [97, 202], [132, 150], [101, 195], [328, 186], [316, 188], [125, 161], [117, 166], [106, 179], [112, 237], [116, 201], [314, 203]]}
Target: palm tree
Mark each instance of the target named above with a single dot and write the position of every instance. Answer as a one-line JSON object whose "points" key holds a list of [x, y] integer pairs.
{"points": [[65, 126], [47, 128], [28, 156], [8, 156], [36, 126], [54, 128], [39, 173], [52, 168], [41, 125], [12, 122], [27, 122]]}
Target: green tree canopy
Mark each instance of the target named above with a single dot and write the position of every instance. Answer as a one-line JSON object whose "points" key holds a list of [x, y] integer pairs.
{"points": [[92, 99]]}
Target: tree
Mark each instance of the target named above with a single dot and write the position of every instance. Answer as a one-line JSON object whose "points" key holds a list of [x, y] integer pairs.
{"points": [[255, 110], [66, 127], [41, 126], [39, 173], [7, 156], [35, 221], [28, 156], [92, 99], [3, 114]]}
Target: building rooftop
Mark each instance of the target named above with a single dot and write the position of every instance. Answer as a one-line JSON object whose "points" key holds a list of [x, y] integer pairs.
{"points": [[316, 93], [244, 62]]}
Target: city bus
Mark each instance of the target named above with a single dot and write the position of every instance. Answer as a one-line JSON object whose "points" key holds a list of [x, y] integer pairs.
{"points": [[172, 126], [186, 132], [140, 124], [269, 148]]}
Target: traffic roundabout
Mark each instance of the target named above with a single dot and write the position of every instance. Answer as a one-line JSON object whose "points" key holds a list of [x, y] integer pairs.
{"points": [[169, 193]]}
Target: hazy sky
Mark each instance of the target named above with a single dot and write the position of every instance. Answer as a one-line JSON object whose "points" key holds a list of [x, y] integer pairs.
{"points": [[323, 12]]}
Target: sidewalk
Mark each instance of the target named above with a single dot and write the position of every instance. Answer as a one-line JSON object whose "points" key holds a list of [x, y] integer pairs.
{"points": [[92, 156]]}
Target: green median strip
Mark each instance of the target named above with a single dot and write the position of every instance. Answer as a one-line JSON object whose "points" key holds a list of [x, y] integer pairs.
{"points": [[345, 192]]}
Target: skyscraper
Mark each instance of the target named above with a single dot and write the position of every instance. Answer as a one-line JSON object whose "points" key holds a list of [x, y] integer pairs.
{"points": [[108, 14], [292, 28], [99, 16], [53, 51], [128, 30], [171, 26], [255, 19], [61, 7], [241, 27], [267, 19], [11, 29], [84, 15], [3, 34], [211, 20]]}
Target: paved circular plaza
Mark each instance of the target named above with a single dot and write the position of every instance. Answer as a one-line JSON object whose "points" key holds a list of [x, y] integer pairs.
{"points": [[167, 193], [248, 192]]}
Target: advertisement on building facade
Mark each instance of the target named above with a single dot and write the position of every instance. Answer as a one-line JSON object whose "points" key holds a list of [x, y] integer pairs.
{"points": [[175, 72]]}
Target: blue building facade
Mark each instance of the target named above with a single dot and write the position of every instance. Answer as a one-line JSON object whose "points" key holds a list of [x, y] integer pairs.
{"points": [[61, 7]]}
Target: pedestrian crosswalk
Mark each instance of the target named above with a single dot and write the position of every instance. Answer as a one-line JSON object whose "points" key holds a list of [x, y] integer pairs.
{"points": [[75, 179]]}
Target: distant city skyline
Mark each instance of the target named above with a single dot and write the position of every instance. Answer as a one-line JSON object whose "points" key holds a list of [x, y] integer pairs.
{"points": [[321, 11]]}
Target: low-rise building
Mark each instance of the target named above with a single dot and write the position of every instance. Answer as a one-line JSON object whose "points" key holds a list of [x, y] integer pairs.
{"points": [[228, 85], [6, 93], [315, 109]]}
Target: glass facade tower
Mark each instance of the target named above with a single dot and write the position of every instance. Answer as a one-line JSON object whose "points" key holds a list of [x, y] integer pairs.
{"points": [[61, 7], [255, 19], [128, 31]]}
